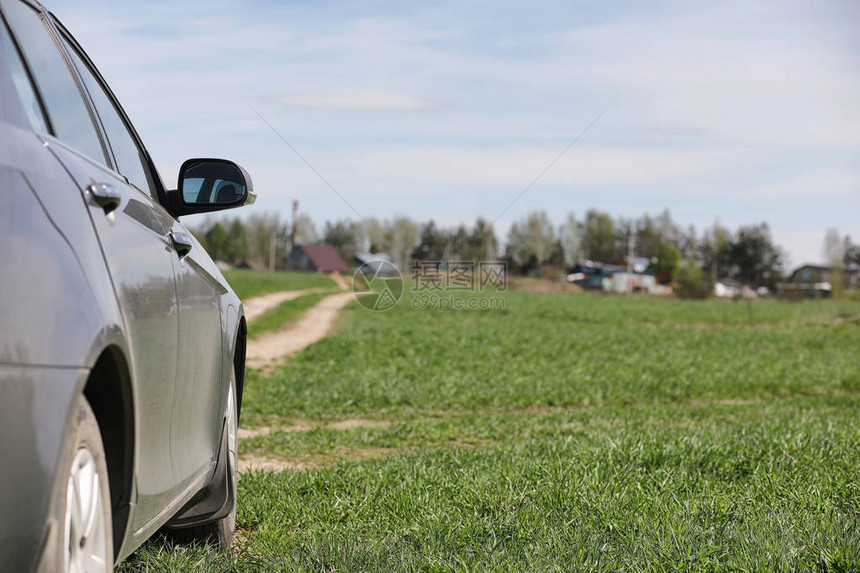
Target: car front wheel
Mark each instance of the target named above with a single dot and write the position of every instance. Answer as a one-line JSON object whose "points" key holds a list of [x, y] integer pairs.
{"points": [[81, 505]]}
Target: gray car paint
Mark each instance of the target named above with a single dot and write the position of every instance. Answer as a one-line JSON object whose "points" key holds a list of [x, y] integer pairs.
{"points": [[75, 282], [33, 423], [54, 312]]}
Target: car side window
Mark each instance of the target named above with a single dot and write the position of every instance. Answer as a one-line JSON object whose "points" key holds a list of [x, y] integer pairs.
{"points": [[25, 109], [130, 159], [65, 104]]}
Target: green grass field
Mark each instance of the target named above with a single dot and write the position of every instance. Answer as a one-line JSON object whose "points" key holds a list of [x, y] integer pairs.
{"points": [[563, 432], [248, 283]]}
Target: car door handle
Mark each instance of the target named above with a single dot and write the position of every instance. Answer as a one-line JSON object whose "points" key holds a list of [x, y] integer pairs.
{"points": [[105, 196], [182, 242]]}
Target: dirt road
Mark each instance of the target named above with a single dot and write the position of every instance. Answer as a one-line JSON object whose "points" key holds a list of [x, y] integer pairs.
{"points": [[254, 307], [270, 349], [314, 325]]}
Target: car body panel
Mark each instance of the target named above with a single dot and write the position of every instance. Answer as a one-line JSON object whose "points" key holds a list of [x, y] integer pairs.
{"points": [[50, 261], [135, 244], [79, 281], [32, 435], [196, 427]]}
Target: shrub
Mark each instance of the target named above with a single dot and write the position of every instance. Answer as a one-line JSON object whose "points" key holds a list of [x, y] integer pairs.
{"points": [[692, 283], [668, 264]]}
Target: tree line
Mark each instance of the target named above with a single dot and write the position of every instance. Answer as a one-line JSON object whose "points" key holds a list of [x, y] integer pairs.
{"points": [[747, 254], [259, 237]]}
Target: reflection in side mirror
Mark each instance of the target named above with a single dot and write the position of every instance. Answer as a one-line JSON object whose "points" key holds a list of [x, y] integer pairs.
{"points": [[214, 184]]}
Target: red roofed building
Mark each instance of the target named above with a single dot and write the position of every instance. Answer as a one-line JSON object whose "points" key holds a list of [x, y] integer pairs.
{"points": [[316, 259]]}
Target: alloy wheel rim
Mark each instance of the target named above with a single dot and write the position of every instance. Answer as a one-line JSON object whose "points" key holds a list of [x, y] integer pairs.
{"points": [[85, 540]]}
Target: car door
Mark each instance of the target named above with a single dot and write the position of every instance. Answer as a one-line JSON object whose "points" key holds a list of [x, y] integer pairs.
{"points": [[205, 366], [196, 351], [196, 395], [134, 233], [52, 305], [198, 410]]}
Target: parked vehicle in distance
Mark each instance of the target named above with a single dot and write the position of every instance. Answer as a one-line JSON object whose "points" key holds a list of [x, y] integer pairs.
{"points": [[122, 347]]}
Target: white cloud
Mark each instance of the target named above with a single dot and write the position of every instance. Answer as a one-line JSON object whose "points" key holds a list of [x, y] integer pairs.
{"points": [[518, 166], [765, 73], [727, 103], [812, 185], [353, 100]]}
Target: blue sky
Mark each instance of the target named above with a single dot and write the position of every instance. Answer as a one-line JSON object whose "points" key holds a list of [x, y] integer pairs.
{"points": [[740, 112]]}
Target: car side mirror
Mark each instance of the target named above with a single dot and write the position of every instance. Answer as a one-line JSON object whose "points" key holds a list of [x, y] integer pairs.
{"points": [[207, 185]]}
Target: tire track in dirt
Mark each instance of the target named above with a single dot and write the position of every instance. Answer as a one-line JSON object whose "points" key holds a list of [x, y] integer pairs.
{"points": [[270, 349], [255, 307], [313, 326]]}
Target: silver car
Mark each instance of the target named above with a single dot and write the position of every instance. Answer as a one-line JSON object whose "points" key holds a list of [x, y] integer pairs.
{"points": [[122, 347]]}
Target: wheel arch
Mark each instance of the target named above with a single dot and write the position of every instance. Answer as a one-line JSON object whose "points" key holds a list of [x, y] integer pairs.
{"points": [[239, 362], [109, 393]]}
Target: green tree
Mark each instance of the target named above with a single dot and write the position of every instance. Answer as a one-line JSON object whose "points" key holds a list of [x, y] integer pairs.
{"points": [[262, 229], [306, 231], [556, 254], [531, 238], [377, 239], [624, 234], [753, 258], [402, 236], [482, 242], [669, 231], [345, 236], [668, 263], [648, 237], [218, 242], [432, 244], [599, 236], [852, 253], [238, 241], [692, 283], [688, 244], [570, 238], [715, 250], [459, 244]]}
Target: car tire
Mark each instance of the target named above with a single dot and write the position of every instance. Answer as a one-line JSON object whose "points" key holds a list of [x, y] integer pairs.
{"points": [[221, 531], [82, 540]]}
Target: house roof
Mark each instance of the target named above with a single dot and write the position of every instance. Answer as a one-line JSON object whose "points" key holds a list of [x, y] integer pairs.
{"points": [[325, 258], [376, 264], [795, 274], [364, 258], [815, 267]]}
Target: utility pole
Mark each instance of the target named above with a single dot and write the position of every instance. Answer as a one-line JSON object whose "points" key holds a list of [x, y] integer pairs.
{"points": [[272, 251], [490, 255], [630, 261], [295, 223]]}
